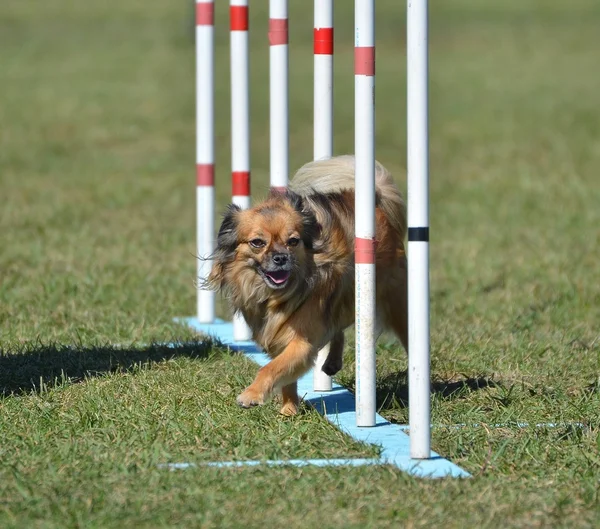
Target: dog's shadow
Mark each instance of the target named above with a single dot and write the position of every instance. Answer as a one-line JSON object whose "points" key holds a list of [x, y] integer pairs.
{"points": [[37, 367]]}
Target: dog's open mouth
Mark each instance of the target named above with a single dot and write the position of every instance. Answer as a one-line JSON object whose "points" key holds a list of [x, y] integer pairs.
{"points": [[276, 278]]}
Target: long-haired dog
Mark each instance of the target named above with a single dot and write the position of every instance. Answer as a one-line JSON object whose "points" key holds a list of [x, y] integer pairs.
{"points": [[287, 265]]}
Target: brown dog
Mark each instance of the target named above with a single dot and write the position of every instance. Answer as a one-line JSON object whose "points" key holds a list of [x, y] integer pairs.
{"points": [[287, 265]]}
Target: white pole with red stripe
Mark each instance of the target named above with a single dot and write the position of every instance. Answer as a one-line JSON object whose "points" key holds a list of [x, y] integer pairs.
{"points": [[364, 147], [205, 153], [323, 124], [418, 230], [323, 79], [240, 125], [278, 96]]}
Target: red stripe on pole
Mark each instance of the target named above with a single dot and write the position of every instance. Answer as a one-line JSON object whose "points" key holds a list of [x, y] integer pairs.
{"points": [[364, 250], [205, 15], [240, 183], [323, 38], [364, 60], [278, 31], [278, 189], [238, 18], [205, 174]]}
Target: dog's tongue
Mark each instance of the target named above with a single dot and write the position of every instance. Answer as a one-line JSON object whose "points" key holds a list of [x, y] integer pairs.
{"points": [[279, 277]]}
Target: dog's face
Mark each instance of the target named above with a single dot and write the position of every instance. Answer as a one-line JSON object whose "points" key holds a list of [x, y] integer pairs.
{"points": [[264, 249], [271, 244]]}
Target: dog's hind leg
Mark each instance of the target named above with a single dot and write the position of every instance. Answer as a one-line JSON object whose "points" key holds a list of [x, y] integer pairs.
{"points": [[392, 298], [334, 361], [291, 401]]}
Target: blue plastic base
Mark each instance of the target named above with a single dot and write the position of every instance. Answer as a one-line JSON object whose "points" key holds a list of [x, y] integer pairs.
{"points": [[338, 406]]}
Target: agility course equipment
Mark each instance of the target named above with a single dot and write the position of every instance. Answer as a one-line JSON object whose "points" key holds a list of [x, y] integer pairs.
{"points": [[338, 407], [322, 124], [418, 227], [356, 416], [240, 124], [205, 153], [278, 95], [364, 152]]}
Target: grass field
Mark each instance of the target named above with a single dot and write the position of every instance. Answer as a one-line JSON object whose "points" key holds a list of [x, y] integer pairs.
{"points": [[97, 256]]}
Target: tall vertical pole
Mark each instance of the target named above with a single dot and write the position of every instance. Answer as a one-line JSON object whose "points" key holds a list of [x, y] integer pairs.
{"points": [[240, 125], [323, 124], [278, 81], [323, 79], [364, 147], [418, 229], [205, 157]]}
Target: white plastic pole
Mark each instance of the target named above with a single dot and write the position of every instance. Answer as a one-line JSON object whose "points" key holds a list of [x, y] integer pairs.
{"points": [[205, 167], [323, 79], [418, 230], [364, 141], [278, 81], [323, 125], [240, 125]]}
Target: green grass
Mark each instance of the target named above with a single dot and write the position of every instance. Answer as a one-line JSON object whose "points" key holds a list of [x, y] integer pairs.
{"points": [[97, 255]]}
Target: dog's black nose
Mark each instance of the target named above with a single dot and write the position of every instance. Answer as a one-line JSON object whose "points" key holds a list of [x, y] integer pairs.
{"points": [[280, 259]]}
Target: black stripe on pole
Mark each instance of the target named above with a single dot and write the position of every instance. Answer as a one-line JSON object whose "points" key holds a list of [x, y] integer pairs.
{"points": [[418, 234]]}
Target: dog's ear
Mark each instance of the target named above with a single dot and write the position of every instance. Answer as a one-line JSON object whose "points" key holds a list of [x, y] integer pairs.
{"points": [[227, 241], [310, 226], [227, 237]]}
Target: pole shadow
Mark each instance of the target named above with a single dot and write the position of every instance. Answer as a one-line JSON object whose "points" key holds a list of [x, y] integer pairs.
{"points": [[392, 389]]}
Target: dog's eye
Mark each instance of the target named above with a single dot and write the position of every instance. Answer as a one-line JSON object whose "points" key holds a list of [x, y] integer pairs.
{"points": [[293, 241], [257, 243]]}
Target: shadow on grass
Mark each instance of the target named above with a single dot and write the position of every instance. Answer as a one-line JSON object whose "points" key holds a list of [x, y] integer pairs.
{"points": [[37, 367], [393, 389]]}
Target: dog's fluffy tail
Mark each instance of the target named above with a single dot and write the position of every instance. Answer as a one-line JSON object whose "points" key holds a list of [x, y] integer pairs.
{"points": [[335, 175]]}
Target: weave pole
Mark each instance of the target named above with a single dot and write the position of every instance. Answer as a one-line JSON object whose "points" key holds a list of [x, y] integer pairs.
{"points": [[240, 124], [205, 156], [323, 124], [418, 230], [278, 93], [364, 147]]}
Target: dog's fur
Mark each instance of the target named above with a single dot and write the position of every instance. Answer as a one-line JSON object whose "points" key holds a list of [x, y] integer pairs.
{"points": [[287, 265]]}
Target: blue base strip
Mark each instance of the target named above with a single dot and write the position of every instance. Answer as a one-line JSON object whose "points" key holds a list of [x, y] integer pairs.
{"points": [[278, 463], [520, 425], [338, 406]]}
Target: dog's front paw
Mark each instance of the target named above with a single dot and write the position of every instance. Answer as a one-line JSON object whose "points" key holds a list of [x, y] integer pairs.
{"points": [[249, 398]]}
